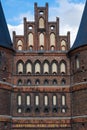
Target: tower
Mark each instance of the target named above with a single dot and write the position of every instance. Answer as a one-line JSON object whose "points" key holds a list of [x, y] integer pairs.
{"points": [[6, 56], [78, 61]]}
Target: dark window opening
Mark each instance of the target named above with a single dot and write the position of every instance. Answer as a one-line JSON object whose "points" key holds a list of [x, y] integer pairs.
{"points": [[28, 110], [63, 82], [37, 110], [20, 82], [46, 82], [55, 110], [46, 110]]}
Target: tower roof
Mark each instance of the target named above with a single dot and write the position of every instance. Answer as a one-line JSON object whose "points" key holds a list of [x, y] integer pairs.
{"points": [[81, 39], [5, 40]]}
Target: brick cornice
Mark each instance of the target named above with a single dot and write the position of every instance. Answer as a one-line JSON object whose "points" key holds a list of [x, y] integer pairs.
{"points": [[42, 89], [6, 86], [79, 86]]}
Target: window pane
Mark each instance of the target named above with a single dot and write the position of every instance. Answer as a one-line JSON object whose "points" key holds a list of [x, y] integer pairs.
{"points": [[37, 68], [20, 68], [54, 68], [28, 68], [77, 63], [28, 100], [19, 100], [19, 110], [62, 68], [36, 100], [46, 100], [46, 68], [63, 100], [54, 100]]}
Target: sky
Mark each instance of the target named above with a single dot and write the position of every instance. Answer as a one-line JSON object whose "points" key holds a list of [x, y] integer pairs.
{"points": [[68, 11]]}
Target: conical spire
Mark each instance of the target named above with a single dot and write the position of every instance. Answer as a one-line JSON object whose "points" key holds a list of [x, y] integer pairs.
{"points": [[5, 40], [81, 39]]}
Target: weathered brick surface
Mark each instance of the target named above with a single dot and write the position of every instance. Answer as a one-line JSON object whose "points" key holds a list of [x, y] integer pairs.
{"points": [[75, 89], [5, 102]]}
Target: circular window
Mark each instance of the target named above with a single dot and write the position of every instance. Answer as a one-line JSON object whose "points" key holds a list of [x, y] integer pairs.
{"points": [[30, 27], [41, 12]]}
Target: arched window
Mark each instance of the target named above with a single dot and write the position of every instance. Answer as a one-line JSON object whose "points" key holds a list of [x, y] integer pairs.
{"points": [[77, 62], [62, 68], [37, 68], [19, 110], [46, 100], [54, 100], [54, 68], [37, 82], [63, 45], [19, 82], [30, 40], [46, 68], [19, 100], [36, 100], [28, 100], [41, 23], [54, 82], [52, 48], [52, 40], [63, 82], [28, 68], [20, 68], [46, 82], [41, 39], [19, 45], [28, 82]]}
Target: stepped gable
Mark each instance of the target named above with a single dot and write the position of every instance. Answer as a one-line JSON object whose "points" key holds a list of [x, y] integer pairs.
{"points": [[5, 40], [81, 39]]}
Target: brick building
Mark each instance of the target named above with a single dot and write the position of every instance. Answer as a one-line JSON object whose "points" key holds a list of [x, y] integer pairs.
{"points": [[43, 82]]}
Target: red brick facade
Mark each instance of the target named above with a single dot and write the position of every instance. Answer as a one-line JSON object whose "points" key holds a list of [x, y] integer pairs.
{"points": [[41, 85]]}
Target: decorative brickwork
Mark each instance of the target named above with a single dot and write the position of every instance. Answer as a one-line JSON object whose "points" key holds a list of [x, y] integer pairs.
{"points": [[43, 83]]}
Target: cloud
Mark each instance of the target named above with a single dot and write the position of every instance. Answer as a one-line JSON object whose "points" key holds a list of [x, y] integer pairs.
{"points": [[28, 15], [69, 13], [18, 29]]}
